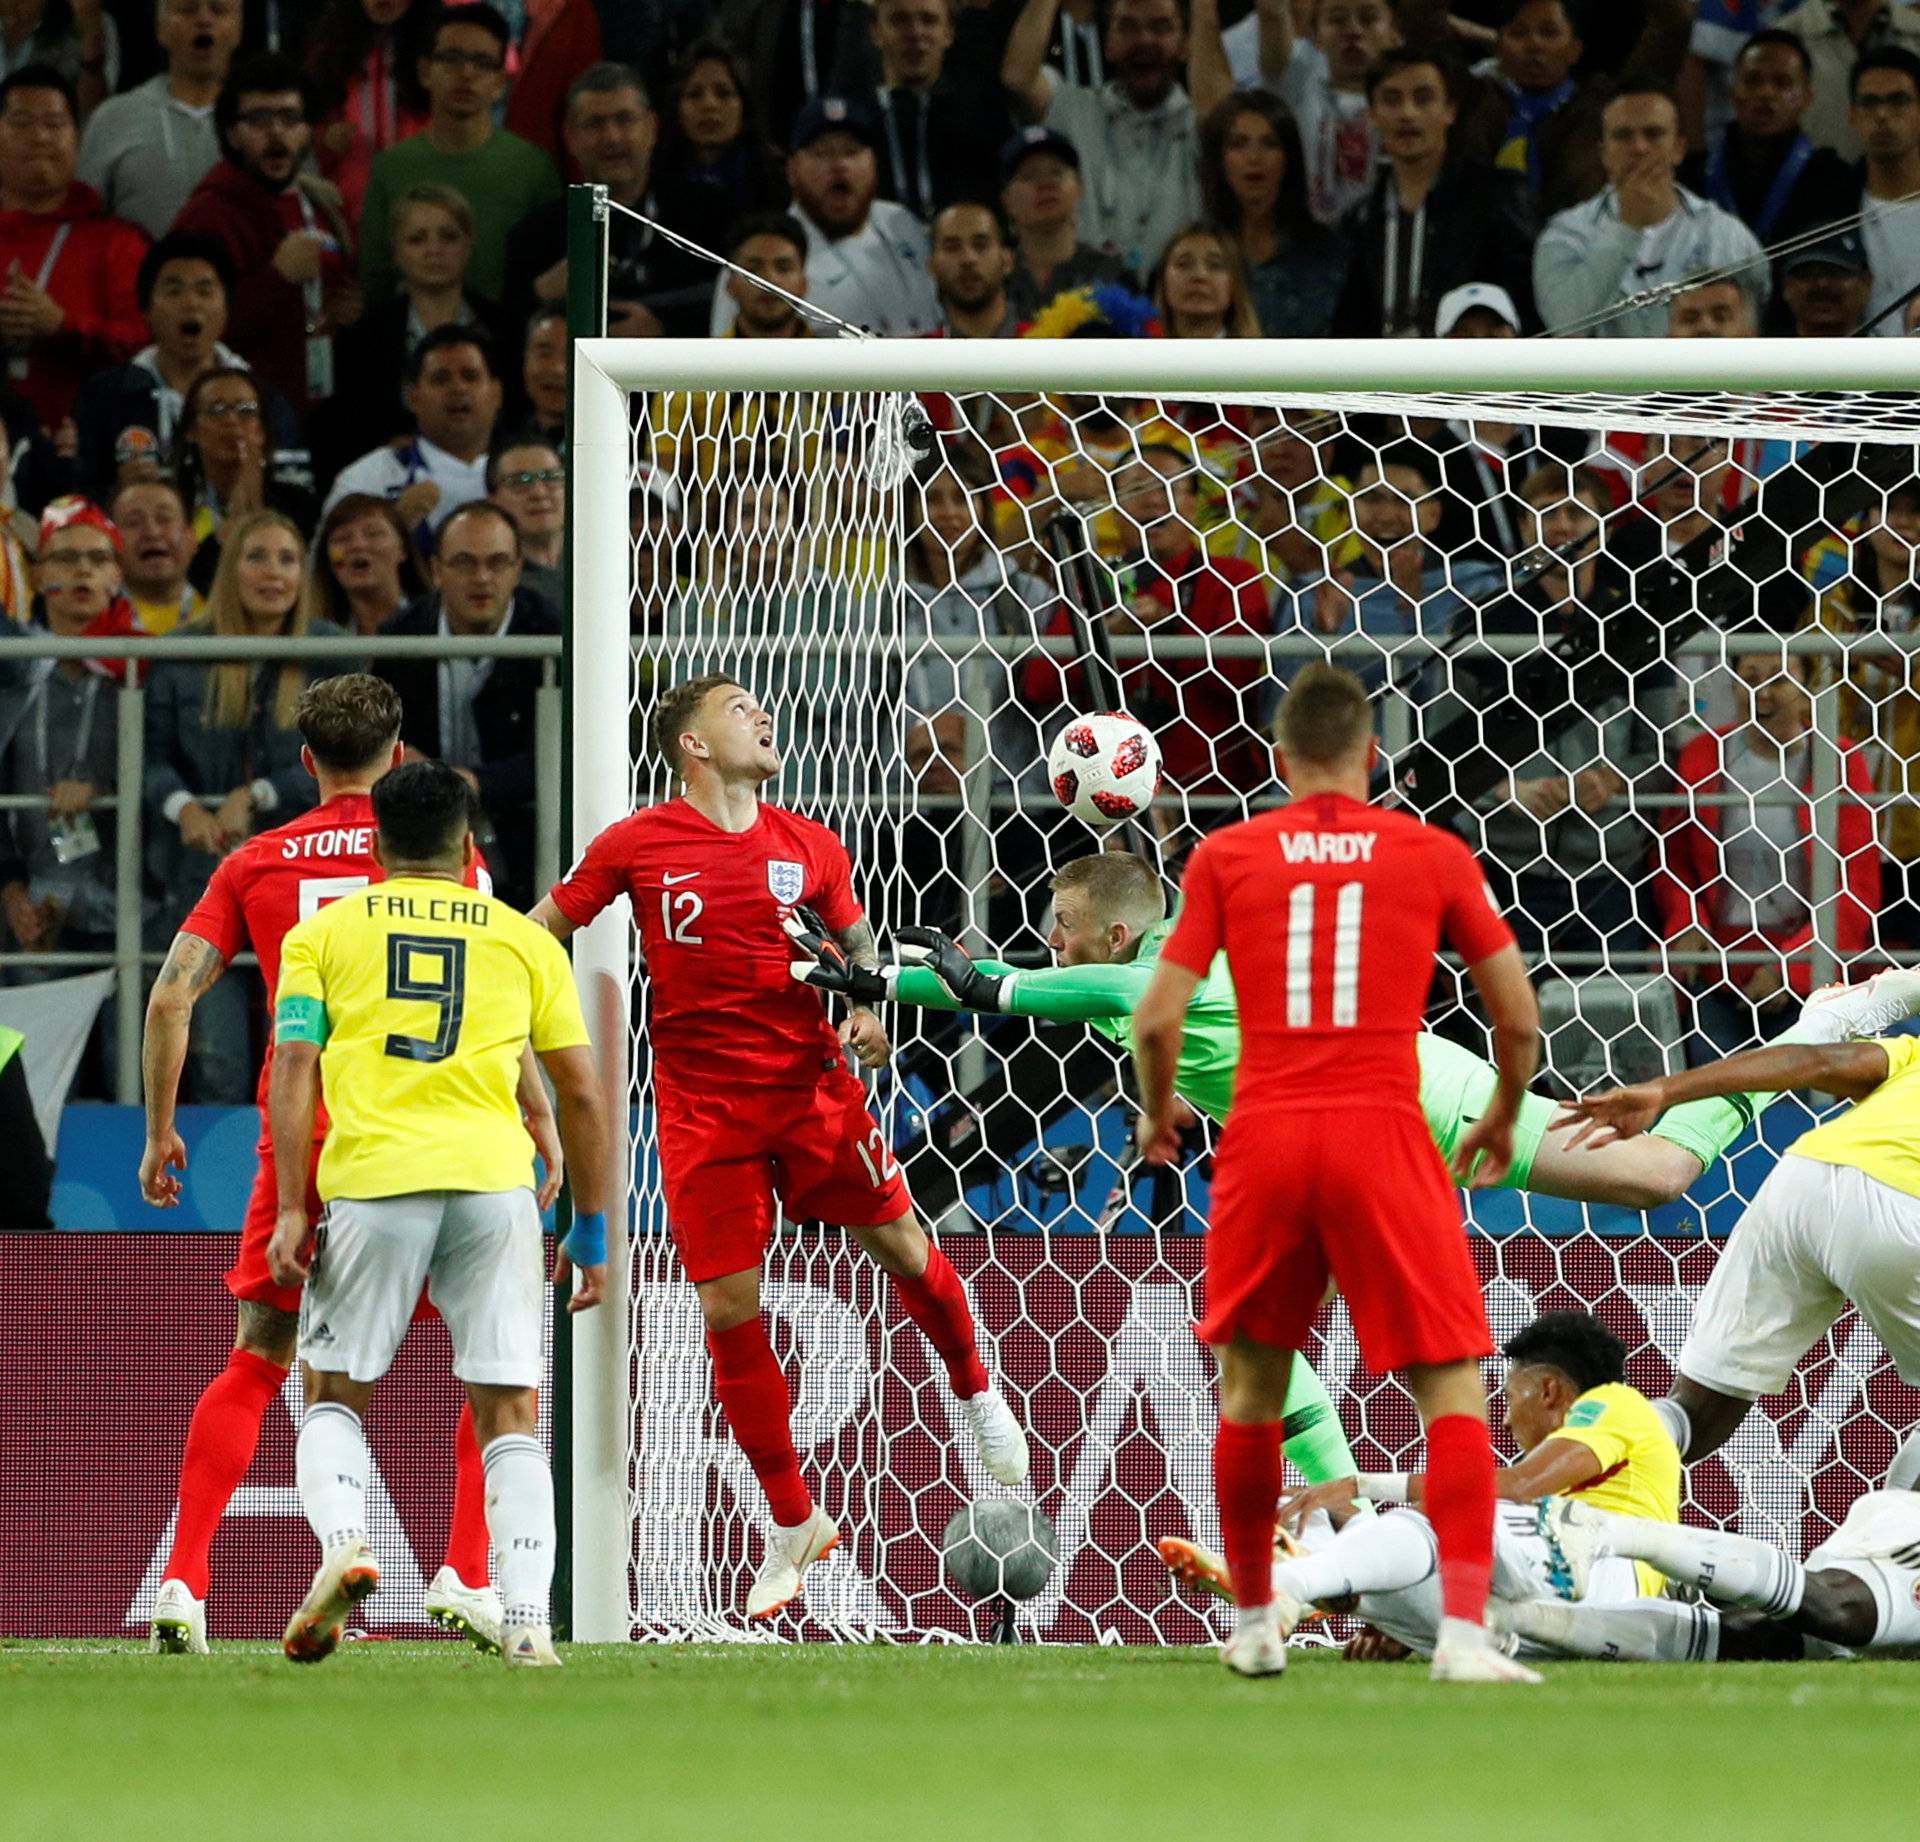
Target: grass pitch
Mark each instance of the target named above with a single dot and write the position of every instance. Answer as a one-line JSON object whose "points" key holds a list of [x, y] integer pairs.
{"points": [[392, 1742]]}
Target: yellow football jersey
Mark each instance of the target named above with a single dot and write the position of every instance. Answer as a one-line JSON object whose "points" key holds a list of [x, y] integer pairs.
{"points": [[1639, 1463], [1880, 1134], [422, 995]]}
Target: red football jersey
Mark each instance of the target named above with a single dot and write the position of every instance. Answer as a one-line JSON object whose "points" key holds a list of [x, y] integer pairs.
{"points": [[708, 904], [1330, 913], [280, 877]]}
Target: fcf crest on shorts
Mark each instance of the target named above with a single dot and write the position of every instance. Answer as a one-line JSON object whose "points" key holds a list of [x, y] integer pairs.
{"points": [[786, 880]]}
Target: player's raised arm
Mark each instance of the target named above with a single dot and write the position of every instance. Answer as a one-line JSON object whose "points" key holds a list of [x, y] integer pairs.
{"points": [[192, 965], [861, 1030]]}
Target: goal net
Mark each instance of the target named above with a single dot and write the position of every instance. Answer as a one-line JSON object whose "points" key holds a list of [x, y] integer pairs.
{"points": [[1640, 618]]}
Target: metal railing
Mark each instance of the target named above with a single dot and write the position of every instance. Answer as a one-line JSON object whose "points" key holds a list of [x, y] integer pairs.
{"points": [[130, 958]]}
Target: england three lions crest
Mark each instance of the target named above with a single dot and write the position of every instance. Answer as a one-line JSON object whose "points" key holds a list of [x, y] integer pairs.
{"points": [[786, 880]]}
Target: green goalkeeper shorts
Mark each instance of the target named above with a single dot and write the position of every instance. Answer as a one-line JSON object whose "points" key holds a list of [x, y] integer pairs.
{"points": [[1456, 1088]]}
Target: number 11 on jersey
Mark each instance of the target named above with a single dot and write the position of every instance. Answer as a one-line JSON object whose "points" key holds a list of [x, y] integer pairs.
{"points": [[1342, 1005]]}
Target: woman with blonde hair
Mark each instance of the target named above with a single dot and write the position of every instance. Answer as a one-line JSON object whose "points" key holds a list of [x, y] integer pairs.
{"points": [[1201, 287], [223, 755]]}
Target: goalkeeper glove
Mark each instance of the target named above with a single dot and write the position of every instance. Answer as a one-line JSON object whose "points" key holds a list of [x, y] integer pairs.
{"points": [[972, 989], [827, 967]]}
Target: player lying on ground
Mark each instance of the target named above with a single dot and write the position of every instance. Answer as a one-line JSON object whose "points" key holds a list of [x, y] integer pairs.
{"points": [[415, 1003], [350, 728], [1837, 1219], [755, 1102], [1859, 1589], [1582, 1430]]}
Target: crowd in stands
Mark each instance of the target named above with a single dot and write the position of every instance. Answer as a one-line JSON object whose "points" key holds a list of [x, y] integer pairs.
{"points": [[283, 296]]}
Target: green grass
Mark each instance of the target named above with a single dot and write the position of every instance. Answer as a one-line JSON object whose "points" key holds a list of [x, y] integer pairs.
{"points": [[392, 1742]]}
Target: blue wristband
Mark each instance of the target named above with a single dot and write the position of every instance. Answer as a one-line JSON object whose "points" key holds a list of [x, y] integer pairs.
{"points": [[586, 1242]]}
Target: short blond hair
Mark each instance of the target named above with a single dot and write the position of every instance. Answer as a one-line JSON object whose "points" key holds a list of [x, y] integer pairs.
{"points": [[429, 196], [1118, 885]]}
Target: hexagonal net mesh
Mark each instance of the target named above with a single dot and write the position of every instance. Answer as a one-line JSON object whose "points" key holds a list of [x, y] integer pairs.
{"points": [[1651, 657]]}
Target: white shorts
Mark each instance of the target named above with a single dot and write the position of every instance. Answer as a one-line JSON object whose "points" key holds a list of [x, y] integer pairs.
{"points": [[476, 1251], [1814, 1236], [1879, 1544]]}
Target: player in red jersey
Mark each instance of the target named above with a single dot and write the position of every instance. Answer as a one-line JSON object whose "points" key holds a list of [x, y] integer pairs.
{"points": [[1336, 910], [351, 726], [755, 1102]]}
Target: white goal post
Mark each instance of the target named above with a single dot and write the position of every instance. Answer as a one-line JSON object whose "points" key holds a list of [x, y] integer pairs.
{"points": [[1801, 390]]}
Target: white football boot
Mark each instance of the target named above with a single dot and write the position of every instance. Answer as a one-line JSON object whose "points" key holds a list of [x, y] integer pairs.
{"points": [[1872, 1007], [179, 1627], [1003, 1446], [1258, 1646], [346, 1576], [528, 1647], [789, 1553], [1575, 1535], [472, 1612], [1471, 1653]]}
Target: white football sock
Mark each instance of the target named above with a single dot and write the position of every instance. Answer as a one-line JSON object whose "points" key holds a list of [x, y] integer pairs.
{"points": [[1372, 1554], [1646, 1631], [330, 1468], [1676, 1419], [520, 1519], [1729, 1569], [1904, 1472]]}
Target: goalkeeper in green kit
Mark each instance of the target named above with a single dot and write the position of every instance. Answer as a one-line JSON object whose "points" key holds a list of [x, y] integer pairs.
{"points": [[1110, 920]]}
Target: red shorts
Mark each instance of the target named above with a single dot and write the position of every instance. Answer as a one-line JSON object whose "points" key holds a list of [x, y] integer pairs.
{"points": [[726, 1157], [1299, 1198]]}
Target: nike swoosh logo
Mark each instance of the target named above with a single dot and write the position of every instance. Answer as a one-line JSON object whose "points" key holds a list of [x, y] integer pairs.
{"points": [[685, 876]]}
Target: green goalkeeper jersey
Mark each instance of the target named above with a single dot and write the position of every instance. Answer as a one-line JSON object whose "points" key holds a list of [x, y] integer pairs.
{"points": [[1456, 1085]]}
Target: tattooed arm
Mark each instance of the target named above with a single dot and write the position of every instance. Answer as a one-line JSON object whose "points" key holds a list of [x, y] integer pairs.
{"points": [[191, 967], [863, 1032]]}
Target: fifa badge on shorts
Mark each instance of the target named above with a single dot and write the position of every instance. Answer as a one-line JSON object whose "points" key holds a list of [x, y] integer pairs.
{"points": [[786, 880]]}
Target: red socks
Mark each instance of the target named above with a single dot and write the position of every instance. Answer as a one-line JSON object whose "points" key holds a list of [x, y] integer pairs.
{"points": [[1246, 1486], [751, 1388], [1459, 1504], [221, 1438], [467, 1540], [937, 1302]]}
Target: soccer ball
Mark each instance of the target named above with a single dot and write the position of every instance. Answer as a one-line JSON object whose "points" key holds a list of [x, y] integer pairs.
{"points": [[999, 1548], [1105, 768]]}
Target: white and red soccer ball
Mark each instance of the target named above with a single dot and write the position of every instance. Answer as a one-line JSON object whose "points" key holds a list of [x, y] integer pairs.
{"points": [[1105, 768]]}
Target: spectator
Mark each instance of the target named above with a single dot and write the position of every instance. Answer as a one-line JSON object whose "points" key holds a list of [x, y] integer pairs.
{"points": [[1712, 310], [1530, 114], [1137, 133], [558, 40], [1428, 226], [1737, 877], [144, 152], [939, 126], [1886, 116], [502, 176], [81, 46], [714, 164], [66, 268], [1763, 168], [225, 466], [1837, 35], [1827, 286], [866, 259], [1040, 192], [543, 374], [1200, 288], [1253, 177], [432, 248], [970, 263], [158, 548], [365, 563], [1643, 231], [453, 395], [1290, 513], [223, 759], [478, 713], [774, 247], [610, 129], [1560, 827], [364, 64], [127, 416], [790, 49], [284, 232], [36, 470], [1322, 78], [527, 477], [19, 542]]}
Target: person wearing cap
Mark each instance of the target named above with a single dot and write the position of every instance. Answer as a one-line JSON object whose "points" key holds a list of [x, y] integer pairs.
{"points": [[1429, 223], [1827, 286], [1138, 133], [1886, 113], [1040, 193], [866, 257]]}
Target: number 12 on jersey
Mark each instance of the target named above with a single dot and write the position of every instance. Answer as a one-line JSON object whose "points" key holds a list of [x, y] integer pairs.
{"points": [[1341, 1007]]}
